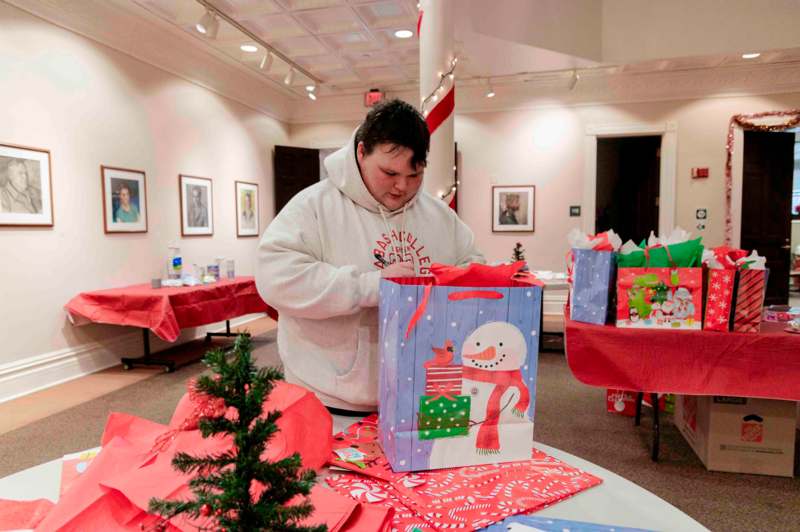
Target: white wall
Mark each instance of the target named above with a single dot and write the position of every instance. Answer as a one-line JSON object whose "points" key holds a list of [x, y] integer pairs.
{"points": [[91, 105], [543, 145]]}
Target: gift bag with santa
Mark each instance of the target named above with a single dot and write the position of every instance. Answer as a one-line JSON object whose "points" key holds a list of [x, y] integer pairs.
{"points": [[459, 354], [667, 293]]}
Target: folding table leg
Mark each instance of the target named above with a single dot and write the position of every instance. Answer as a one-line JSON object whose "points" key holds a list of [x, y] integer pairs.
{"points": [[656, 427], [638, 419], [226, 334], [148, 359]]}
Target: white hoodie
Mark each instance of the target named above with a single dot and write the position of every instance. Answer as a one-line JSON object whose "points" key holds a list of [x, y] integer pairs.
{"points": [[316, 266]]}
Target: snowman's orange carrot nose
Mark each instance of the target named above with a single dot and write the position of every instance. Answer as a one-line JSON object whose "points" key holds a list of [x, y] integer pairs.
{"points": [[486, 354]]}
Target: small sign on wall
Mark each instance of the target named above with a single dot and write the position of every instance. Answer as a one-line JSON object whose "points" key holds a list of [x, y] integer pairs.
{"points": [[700, 172], [574, 210]]}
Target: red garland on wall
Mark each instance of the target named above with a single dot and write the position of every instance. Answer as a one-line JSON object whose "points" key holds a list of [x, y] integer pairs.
{"points": [[745, 122]]}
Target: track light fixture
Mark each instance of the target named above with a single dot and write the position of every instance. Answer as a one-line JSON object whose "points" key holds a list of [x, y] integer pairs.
{"points": [[266, 62], [208, 25], [573, 82], [289, 77]]}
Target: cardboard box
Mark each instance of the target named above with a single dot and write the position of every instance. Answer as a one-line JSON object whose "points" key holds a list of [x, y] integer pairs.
{"points": [[739, 435]]}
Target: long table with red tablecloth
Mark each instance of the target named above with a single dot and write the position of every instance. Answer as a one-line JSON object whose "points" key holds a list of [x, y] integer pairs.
{"points": [[766, 364], [165, 311], [687, 362]]}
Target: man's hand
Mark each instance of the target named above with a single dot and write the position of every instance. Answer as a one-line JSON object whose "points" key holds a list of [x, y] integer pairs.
{"points": [[399, 269]]}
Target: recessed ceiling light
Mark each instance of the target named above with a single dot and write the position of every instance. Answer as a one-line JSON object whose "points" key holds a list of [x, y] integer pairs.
{"points": [[404, 34], [249, 48], [312, 96], [751, 55], [490, 93], [311, 88], [289, 77]]}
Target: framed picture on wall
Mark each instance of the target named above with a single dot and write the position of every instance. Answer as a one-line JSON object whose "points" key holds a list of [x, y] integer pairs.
{"points": [[124, 200], [246, 209], [26, 195], [513, 208], [197, 206]]}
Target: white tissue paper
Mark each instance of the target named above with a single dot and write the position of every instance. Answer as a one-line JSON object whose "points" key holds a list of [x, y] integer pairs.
{"points": [[754, 261], [710, 260], [577, 239], [677, 236]]}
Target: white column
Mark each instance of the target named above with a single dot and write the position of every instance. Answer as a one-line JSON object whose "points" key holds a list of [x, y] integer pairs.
{"points": [[436, 51]]}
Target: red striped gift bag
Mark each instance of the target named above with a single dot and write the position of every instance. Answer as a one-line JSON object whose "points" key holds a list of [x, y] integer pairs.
{"points": [[749, 300]]}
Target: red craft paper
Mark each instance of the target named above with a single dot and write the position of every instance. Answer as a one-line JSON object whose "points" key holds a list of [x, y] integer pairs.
{"points": [[330, 509], [369, 518], [17, 515], [114, 491]]}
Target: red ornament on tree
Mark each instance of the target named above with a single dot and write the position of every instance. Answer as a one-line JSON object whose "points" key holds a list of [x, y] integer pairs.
{"points": [[205, 510]]}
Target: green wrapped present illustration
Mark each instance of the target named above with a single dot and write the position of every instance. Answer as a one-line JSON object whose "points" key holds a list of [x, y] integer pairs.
{"points": [[442, 416]]}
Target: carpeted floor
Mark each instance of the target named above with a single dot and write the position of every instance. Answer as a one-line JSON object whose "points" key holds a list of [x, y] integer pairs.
{"points": [[569, 416]]}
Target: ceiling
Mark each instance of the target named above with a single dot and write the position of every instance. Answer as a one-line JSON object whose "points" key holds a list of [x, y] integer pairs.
{"points": [[348, 44]]}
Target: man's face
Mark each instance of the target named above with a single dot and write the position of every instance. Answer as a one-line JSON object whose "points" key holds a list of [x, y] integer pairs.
{"points": [[512, 202], [124, 196], [388, 174], [18, 175]]}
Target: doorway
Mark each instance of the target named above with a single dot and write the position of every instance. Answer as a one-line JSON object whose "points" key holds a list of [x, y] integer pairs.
{"points": [[768, 181], [628, 185]]}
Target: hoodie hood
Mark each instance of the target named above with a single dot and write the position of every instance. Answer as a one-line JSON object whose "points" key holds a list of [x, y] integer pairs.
{"points": [[343, 172]]}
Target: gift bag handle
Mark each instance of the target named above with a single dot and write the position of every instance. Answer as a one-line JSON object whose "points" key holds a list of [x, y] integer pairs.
{"points": [[666, 248]]}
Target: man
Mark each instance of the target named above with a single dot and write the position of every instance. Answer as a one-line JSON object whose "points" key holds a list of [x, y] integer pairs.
{"points": [[321, 259], [16, 193], [198, 217], [126, 212], [509, 215]]}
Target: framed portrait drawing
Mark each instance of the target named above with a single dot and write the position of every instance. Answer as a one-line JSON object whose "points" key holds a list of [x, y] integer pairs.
{"points": [[124, 200], [246, 209], [197, 206], [513, 208], [26, 192]]}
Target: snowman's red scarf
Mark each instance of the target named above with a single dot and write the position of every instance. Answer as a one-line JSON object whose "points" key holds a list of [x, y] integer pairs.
{"points": [[488, 439]]}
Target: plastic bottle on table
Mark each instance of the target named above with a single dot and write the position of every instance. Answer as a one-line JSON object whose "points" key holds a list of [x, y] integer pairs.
{"points": [[175, 263]]}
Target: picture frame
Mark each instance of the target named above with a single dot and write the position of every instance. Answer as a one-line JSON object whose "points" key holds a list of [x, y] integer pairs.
{"points": [[513, 208], [247, 211], [26, 186], [124, 200], [197, 205]]}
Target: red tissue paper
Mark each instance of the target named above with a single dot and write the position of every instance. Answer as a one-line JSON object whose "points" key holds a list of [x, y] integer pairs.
{"points": [[114, 490]]}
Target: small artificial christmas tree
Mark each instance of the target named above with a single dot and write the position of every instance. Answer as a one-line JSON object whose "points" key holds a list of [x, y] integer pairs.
{"points": [[519, 253], [226, 497]]}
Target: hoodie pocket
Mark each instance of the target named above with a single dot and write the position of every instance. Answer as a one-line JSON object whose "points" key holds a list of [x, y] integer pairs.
{"points": [[360, 385]]}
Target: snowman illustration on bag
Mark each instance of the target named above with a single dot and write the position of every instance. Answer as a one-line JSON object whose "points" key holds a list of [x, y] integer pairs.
{"points": [[495, 396]]}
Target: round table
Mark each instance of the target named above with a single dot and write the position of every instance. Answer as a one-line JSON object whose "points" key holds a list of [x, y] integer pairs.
{"points": [[616, 501]]}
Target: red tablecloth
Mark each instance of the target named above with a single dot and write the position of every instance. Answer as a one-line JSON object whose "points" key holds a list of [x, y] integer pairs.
{"points": [[763, 365], [166, 311]]}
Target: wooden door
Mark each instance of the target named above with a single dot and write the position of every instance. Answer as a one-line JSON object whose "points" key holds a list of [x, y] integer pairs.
{"points": [[766, 205], [628, 185], [295, 169]]}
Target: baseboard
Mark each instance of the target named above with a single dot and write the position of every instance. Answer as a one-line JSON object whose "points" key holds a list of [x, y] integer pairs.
{"points": [[29, 375]]}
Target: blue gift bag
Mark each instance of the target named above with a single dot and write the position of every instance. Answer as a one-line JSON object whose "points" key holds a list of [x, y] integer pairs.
{"points": [[593, 286], [458, 373]]}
